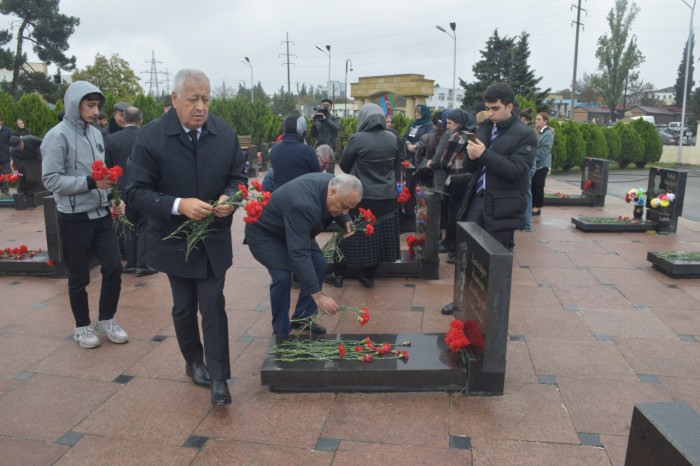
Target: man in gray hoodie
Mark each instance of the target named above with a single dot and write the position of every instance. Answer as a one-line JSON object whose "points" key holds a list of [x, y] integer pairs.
{"points": [[84, 211]]}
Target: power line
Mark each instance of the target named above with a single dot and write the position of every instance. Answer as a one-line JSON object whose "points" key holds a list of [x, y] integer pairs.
{"points": [[573, 79], [288, 64]]}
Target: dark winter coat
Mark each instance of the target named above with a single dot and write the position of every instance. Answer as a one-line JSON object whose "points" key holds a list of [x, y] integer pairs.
{"points": [[163, 166], [292, 158], [507, 159]]}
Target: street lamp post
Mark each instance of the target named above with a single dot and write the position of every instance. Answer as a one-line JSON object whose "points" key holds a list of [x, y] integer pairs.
{"points": [[453, 26], [633, 40], [685, 82], [328, 47], [348, 61], [247, 61]]}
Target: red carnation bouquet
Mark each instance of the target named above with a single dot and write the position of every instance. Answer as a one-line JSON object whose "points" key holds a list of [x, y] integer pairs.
{"points": [[252, 200], [12, 179], [415, 245], [404, 196], [455, 338], [122, 225], [362, 223]]}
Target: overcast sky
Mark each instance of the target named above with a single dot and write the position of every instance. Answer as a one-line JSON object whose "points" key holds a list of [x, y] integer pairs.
{"points": [[379, 37]]}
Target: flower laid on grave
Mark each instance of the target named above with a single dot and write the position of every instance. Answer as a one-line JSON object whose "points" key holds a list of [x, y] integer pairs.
{"points": [[588, 184], [19, 253], [635, 196], [320, 349], [252, 201], [363, 223], [415, 245], [404, 196], [12, 179], [464, 334], [557, 195], [618, 219], [122, 225], [684, 256], [405, 164], [662, 201]]}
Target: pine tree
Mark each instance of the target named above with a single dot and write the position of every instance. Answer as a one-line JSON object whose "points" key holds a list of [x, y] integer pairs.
{"points": [[681, 72], [48, 30], [522, 77]]}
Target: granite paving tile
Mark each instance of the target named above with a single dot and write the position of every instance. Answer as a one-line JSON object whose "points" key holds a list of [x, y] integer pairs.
{"points": [[242, 322], [433, 296], [46, 407], [548, 323], [103, 363], [661, 357], [377, 298], [434, 321], [531, 412], [519, 368], [578, 359], [548, 259], [658, 296], [22, 452], [558, 276], [228, 452], [497, 452], [626, 323], [247, 365], [53, 319], [533, 298], [628, 277], [260, 416], [616, 448], [579, 247], [522, 277], [382, 321], [19, 352], [693, 291], [386, 417], [586, 297], [604, 406], [683, 390], [160, 411], [92, 450], [603, 260], [351, 453]]}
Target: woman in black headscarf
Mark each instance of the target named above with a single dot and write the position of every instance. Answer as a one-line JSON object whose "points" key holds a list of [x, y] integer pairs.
{"points": [[415, 130]]}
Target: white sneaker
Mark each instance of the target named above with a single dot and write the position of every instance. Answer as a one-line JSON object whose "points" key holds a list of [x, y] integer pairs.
{"points": [[114, 332], [86, 338]]}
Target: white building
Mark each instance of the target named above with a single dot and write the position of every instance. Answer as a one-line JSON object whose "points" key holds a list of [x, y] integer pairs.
{"points": [[29, 67], [667, 95], [442, 98]]}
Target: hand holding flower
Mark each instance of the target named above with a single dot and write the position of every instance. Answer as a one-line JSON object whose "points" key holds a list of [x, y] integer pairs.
{"points": [[118, 208], [194, 209], [222, 208], [325, 304], [349, 229]]}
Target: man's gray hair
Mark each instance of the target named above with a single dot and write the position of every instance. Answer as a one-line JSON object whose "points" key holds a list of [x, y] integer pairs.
{"points": [[345, 184], [324, 151], [185, 74], [133, 115]]}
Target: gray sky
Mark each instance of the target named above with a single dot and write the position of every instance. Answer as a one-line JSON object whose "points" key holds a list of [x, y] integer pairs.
{"points": [[380, 37]]}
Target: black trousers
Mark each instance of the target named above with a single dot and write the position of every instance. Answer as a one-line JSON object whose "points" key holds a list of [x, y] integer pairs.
{"points": [[538, 187], [80, 237], [207, 295], [135, 241], [475, 213]]}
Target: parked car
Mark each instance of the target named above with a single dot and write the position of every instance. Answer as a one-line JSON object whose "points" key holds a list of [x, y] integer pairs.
{"points": [[668, 139]]}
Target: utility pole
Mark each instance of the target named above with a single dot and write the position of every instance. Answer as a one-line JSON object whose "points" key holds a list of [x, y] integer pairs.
{"points": [[573, 80], [289, 81]]}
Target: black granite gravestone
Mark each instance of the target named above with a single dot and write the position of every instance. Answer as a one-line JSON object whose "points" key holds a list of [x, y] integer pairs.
{"points": [[676, 264], [482, 297], [265, 160], [408, 216], [663, 434], [430, 366], [594, 180], [53, 236], [666, 180], [612, 224]]}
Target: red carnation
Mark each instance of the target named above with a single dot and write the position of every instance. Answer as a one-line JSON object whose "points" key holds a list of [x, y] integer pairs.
{"points": [[341, 351]]}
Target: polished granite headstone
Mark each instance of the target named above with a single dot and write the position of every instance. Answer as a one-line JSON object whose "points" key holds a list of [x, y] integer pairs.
{"points": [[431, 366], [265, 159], [663, 434], [252, 154], [666, 180], [676, 267], [482, 297], [407, 219], [611, 224], [594, 186]]}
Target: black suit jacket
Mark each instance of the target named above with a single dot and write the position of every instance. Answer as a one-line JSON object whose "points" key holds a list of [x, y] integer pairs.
{"points": [[5, 135], [283, 236], [118, 147], [163, 166]]}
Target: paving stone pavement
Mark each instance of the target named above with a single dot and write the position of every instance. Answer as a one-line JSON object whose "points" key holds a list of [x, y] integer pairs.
{"points": [[593, 330]]}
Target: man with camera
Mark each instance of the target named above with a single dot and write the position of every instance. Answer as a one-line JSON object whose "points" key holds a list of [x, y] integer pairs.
{"points": [[325, 127]]}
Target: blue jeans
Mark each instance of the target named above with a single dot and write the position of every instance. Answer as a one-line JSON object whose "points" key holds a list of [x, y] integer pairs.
{"points": [[280, 291], [528, 208]]}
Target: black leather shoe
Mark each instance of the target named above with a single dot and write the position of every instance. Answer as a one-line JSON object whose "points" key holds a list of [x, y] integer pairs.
{"points": [[219, 393], [367, 282], [314, 328], [448, 309], [129, 270], [199, 373], [333, 279], [145, 272], [536, 212]]}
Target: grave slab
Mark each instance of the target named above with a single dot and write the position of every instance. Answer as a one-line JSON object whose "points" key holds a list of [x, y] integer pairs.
{"points": [[586, 223], [430, 367], [674, 265]]}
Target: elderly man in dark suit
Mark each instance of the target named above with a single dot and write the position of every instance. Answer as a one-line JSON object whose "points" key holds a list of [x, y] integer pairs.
{"points": [[118, 147], [181, 163], [283, 241]]}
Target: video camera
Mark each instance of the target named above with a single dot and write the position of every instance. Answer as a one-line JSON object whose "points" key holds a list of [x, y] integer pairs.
{"points": [[321, 112]]}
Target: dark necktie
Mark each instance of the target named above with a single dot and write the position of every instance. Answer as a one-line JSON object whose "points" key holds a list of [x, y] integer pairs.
{"points": [[481, 182], [193, 137]]}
